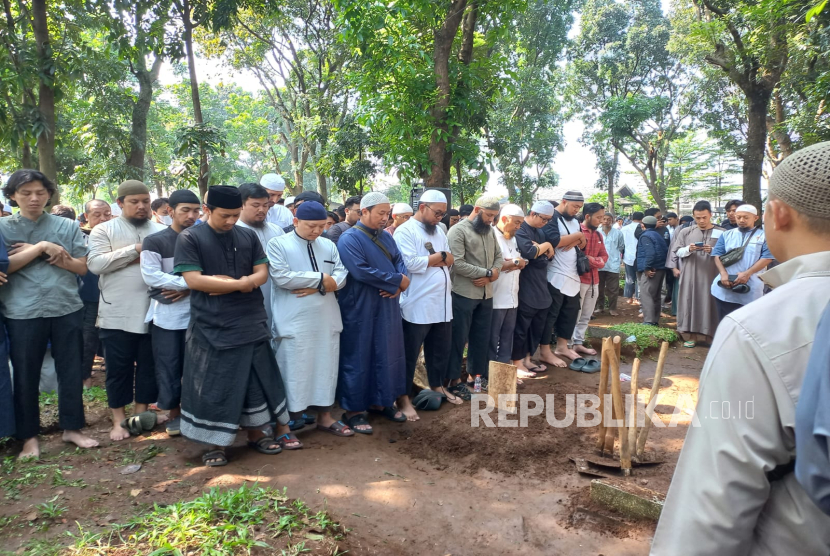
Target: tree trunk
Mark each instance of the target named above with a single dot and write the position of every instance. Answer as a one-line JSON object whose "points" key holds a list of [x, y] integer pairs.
{"points": [[46, 95], [26, 156], [138, 132], [756, 139], [612, 174], [194, 94]]}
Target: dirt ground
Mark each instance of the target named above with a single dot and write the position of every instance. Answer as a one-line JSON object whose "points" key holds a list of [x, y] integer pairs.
{"points": [[436, 487]]}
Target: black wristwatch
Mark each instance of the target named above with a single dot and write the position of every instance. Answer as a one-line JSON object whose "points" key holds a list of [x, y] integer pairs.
{"points": [[443, 256], [489, 273]]}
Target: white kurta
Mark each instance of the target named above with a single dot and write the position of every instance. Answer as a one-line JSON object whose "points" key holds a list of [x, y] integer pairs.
{"points": [[306, 332], [427, 300], [265, 234], [280, 216]]}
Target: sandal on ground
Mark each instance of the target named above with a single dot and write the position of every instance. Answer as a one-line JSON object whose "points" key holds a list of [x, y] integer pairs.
{"points": [[429, 400], [591, 366], [287, 438], [689, 344], [218, 457], [297, 424], [471, 385], [174, 426], [578, 363], [265, 445], [538, 369], [138, 424], [460, 390], [356, 421], [390, 413], [338, 428]]}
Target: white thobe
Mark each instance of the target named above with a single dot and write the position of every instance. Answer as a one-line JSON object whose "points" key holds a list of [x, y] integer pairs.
{"points": [[628, 230], [265, 235], [280, 216], [562, 273], [306, 336], [427, 300], [506, 288]]}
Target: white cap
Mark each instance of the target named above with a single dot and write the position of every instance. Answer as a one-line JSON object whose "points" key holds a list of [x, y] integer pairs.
{"points": [[401, 208], [512, 210], [274, 182], [542, 207], [432, 196], [747, 208], [288, 200], [373, 198]]}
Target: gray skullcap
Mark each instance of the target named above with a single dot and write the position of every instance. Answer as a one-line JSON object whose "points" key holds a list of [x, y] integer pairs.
{"points": [[542, 207], [802, 180], [373, 198], [488, 202], [573, 196], [132, 187], [649, 222]]}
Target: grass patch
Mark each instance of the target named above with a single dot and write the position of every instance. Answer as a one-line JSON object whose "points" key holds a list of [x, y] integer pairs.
{"points": [[219, 523], [142, 455], [17, 475], [645, 336]]}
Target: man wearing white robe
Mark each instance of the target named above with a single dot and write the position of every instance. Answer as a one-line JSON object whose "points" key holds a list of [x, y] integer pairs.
{"points": [[305, 272], [255, 203], [277, 214]]}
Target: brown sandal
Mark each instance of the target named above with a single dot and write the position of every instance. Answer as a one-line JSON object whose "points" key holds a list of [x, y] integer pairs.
{"points": [[338, 428], [285, 439]]}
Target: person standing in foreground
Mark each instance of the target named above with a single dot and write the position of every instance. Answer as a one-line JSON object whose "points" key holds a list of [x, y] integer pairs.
{"points": [[169, 310], [630, 257], [7, 425], [697, 314], [372, 371], [651, 266], [609, 275], [478, 262], [506, 290], [114, 249], [733, 491], [305, 272], [277, 214], [426, 305], [40, 304], [589, 283], [96, 212], [231, 379], [756, 256]]}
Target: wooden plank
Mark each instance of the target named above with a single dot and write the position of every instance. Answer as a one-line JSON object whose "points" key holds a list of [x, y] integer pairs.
{"points": [[632, 415], [622, 431], [502, 381], [652, 401], [627, 498], [605, 357]]}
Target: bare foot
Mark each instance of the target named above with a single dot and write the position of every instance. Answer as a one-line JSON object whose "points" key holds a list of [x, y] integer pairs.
{"points": [[79, 439], [613, 313], [406, 407], [584, 350], [569, 353], [552, 360], [522, 373], [31, 449], [161, 418], [453, 399], [119, 433]]}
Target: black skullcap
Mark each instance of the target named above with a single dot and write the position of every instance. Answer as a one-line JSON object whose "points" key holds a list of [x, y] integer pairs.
{"points": [[224, 196], [182, 196], [309, 196]]}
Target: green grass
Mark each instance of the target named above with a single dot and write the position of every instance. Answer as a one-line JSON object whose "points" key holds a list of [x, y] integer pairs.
{"points": [[142, 455], [18, 475], [645, 336], [51, 509]]}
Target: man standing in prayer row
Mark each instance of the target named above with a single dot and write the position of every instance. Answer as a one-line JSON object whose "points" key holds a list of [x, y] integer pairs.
{"points": [[401, 212], [305, 271], [96, 212], [609, 275], [756, 257], [277, 214], [478, 262], [589, 283], [731, 222], [114, 250], [733, 491], [651, 266], [169, 310], [372, 362], [564, 232], [41, 304], [630, 257], [534, 297], [254, 216], [426, 305], [352, 206], [231, 379], [160, 208], [697, 315], [506, 289]]}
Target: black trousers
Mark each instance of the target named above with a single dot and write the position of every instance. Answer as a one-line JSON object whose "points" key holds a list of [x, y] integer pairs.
{"points": [[609, 287], [725, 307], [131, 374], [528, 332], [501, 334], [470, 323], [91, 339], [670, 284], [562, 316], [168, 356], [28, 339], [437, 341]]}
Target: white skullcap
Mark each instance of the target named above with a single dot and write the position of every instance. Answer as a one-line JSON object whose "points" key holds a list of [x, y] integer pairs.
{"points": [[432, 196], [401, 208], [373, 198], [274, 182], [288, 200], [747, 208], [512, 210], [542, 207]]}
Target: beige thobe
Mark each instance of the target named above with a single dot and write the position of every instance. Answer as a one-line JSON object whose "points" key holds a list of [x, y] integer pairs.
{"points": [[720, 501], [696, 309]]}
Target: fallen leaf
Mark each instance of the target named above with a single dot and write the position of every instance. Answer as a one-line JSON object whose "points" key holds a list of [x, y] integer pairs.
{"points": [[160, 488], [194, 490], [313, 537], [135, 492], [31, 517], [130, 469]]}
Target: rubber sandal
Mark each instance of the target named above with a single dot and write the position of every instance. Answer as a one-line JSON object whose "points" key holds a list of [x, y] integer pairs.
{"points": [[138, 424], [389, 413], [337, 428], [262, 445], [357, 420], [592, 366], [174, 426], [429, 400], [578, 363], [218, 455], [284, 439], [461, 391], [297, 424], [539, 369], [689, 344]]}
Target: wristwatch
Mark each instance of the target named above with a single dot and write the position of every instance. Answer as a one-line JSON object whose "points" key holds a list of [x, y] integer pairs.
{"points": [[443, 256], [489, 273], [517, 262]]}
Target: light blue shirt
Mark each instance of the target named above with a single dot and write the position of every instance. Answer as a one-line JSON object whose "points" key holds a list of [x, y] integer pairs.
{"points": [[630, 242], [615, 245], [755, 250]]}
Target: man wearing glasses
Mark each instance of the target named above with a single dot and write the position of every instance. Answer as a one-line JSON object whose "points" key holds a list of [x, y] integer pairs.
{"points": [[352, 206]]}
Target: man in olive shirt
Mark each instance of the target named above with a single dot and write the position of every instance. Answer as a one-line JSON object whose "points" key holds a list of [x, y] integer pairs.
{"points": [[41, 304]]}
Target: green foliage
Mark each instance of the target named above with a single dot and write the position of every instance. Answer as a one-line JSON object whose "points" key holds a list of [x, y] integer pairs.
{"points": [[51, 509], [645, 336]]}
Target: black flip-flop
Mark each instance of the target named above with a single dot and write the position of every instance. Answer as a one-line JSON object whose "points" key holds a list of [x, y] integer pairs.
{"points": [[337, 428], [262, 446], [578, 363], [355, 421], [389, 413], [539, 369], [460, 390]]}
